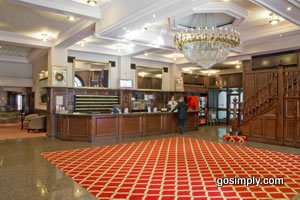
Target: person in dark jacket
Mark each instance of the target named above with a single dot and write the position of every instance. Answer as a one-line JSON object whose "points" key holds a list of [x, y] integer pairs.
{"points": [[182, 112]]}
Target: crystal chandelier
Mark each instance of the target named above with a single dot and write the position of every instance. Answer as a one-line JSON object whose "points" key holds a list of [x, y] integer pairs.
{"points": [[206, 46]]}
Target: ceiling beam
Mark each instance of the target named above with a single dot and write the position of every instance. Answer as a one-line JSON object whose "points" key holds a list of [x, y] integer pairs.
{"points": [[65, 7], [132, 14], [279, 7], [91, 48], [82, 29], [23, 40]]}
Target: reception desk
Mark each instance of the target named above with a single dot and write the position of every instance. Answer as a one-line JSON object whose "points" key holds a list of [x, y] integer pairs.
{"points": [[96, 127]]}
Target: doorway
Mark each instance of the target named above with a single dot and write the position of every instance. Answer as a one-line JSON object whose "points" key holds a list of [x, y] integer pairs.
{"points": [[230, 106]]}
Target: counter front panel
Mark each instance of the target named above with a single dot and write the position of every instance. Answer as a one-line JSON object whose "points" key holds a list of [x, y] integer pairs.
{"points": [[94, 127]]}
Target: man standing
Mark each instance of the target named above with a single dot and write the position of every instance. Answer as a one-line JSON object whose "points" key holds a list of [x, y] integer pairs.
{"points": [[182, 112]]}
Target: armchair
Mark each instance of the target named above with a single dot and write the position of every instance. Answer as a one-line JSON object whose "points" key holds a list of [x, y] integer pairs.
{"points": [[37, 123], [27, 119]]}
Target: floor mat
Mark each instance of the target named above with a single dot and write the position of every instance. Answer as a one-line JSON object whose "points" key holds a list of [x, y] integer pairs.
{"points": [[178, 168]]}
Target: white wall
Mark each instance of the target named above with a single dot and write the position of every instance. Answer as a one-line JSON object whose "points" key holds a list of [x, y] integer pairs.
{"points": [[38, 65], [15, 70], [15, 74]]}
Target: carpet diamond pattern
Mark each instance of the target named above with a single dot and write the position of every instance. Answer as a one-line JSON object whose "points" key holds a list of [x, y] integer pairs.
{"points": [[178, 168]]}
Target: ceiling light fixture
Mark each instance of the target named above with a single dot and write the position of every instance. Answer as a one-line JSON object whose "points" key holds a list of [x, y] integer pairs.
{"points": [[146, 54], [82, 43], [274, 19], [289, 8], [206, 45], [44, 37], [92, 2], [71, 18]]}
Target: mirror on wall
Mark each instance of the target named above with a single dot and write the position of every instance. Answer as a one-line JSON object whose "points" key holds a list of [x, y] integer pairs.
{"points": [[149, 78], [91, 74]]}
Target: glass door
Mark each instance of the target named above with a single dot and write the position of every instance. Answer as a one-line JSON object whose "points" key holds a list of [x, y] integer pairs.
{"points": [[230, 106]]}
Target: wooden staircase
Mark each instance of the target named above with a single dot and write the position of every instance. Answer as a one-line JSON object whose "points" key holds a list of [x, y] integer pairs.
{"points": [[272, 114], [261, 101]]}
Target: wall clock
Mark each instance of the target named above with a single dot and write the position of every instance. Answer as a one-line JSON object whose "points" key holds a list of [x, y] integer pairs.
{"points": [[59, 76]]}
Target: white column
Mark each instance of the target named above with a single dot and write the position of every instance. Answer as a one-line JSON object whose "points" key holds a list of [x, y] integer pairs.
{"points": [[125, 70], [57, 64]]}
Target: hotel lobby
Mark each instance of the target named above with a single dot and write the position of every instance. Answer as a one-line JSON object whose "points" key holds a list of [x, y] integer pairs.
{"points": [[87, 90]]}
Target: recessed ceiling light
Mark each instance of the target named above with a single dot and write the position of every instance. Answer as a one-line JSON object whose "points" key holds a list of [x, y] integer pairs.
{"points": [[289, 8], [146, 54], [274, 19], [44, 37], [153, 15], [71, 18], [238, 66], [92, 2], [82, 43]]}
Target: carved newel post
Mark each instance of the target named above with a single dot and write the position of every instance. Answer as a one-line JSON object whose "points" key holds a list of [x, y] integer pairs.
{"points": [[234, 122]]}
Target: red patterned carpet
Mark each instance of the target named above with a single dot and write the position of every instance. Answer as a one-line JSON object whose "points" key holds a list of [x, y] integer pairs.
{"points": [[177, 168]]}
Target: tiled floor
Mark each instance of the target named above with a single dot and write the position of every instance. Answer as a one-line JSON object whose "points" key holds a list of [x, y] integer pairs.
{"points": [[25, 174]]}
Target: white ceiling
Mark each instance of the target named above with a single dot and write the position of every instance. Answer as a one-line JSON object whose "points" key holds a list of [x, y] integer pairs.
{"points": [[143, 29], [8, 49]]}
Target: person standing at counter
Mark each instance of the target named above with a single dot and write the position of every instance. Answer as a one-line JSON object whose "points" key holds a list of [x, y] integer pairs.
{"points": [[172, 103], [182, 112]]}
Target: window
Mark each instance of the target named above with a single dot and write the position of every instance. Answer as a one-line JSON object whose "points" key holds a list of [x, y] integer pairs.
{"points": [[19, 102], [78, 82], [222, 100]]}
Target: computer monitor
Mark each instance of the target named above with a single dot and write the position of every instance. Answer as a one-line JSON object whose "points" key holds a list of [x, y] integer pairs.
{"points": [[116, 108]]}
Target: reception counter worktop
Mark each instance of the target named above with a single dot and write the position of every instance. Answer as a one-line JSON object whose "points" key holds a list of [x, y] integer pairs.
{"points": [[95, 127]]}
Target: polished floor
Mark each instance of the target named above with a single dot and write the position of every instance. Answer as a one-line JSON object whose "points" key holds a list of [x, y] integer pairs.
{"points": [[14, 131], [25, 174]]}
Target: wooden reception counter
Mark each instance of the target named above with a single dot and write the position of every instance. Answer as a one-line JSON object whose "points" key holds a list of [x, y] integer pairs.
{"points": [[96, 127]]}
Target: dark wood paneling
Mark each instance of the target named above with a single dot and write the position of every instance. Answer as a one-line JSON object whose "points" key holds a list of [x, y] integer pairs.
{"points": [[190, 122], [289, 130], [257, 127], [98, 127], [131, 125], [152, 124], [78, 126], [290, 120], [262, 79], [193, 79], [171, 123], [107, 126], [270, 128], [249, 87], [246, 129]]}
